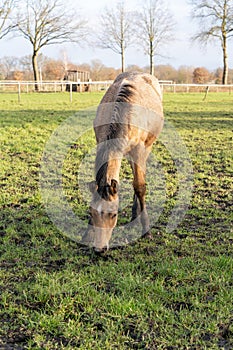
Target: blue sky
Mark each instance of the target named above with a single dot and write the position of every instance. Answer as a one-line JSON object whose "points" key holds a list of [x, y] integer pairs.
{"points": [[180, 52]]}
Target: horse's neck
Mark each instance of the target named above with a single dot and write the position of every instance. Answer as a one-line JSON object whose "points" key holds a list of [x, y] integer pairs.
{"points": [[113, 168], [108, 163]]}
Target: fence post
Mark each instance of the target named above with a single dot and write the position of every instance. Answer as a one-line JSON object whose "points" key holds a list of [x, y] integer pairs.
{"points": [[71, 92], [174, 88], [206, 92], [19, 100], [89, 85]]}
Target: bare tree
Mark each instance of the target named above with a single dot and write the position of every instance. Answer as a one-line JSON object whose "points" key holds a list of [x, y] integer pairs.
{"points": [[8, 65], [25, 63], [47, 22], [215, 22], [6, 24], [201, 75], [116, 30], [155, 28], [166, 72], [97, 68], [185, 75]]}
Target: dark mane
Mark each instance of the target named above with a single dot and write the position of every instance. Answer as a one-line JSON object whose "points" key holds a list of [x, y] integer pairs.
{"points": [[116, 133], [101, 172], [116, 130], [120, 117], [125, 93], [101, 168]]}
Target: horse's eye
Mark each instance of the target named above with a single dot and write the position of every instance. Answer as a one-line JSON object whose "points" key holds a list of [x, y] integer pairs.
{"points": [[113, 216]]}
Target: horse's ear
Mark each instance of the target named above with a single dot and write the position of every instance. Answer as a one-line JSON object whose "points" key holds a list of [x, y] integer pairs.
{"points": [[92, 186], [114, 187]]}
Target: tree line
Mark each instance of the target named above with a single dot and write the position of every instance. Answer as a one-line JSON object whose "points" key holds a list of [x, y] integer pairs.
{"points": [[50, 22], [14, 68]]}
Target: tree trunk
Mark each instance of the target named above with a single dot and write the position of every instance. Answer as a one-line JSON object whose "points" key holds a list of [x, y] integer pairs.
{"points": [[35, 70], [224, 44], [122, 59], [152, 68], [225, 62]]}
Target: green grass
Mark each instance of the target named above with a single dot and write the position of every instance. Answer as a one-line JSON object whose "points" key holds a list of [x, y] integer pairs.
{"points": [[174, 292]]}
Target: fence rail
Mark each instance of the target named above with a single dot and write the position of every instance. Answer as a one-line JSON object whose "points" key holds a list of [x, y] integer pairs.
{"points": [[70, 86], [189, 88], [53, 86]]}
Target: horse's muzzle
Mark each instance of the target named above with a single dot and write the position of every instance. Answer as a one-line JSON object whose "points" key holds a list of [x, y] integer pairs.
{"points": [[100, 251]]}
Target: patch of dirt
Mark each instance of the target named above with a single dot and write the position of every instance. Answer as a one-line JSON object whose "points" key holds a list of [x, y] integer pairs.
{"points": [[16, 339]]}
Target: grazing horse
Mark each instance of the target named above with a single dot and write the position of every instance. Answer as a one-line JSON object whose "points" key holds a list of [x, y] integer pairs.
{"points": [[128, 120]]}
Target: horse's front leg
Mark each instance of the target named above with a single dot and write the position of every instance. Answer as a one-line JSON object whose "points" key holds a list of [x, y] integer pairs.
{"points": [[136, 208], [139, 204]]}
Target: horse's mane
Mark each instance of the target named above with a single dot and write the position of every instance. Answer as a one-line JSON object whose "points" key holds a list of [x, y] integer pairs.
{"points": [[120, 116], [116, 132]]}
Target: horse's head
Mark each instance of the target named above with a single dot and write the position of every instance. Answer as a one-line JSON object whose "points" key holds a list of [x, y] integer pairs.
{"points": [[103, 215]]}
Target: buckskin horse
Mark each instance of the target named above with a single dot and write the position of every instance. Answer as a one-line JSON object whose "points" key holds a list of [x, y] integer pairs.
{"points": [[128, 120]]}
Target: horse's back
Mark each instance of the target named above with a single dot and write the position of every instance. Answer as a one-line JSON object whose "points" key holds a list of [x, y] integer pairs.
{"points": [[141, 92], [136, 88]]}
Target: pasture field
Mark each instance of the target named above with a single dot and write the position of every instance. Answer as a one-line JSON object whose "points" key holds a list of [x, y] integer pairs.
{"points": [[173, 292]]}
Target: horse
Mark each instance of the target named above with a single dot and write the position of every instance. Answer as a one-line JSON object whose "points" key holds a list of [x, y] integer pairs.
{"points": [[128, 120]]}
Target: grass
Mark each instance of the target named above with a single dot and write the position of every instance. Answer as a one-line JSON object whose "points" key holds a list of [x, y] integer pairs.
{"points": [[174, 292]]}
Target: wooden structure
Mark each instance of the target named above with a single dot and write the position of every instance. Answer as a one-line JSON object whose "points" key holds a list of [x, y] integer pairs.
{"points": [[75, 77]]}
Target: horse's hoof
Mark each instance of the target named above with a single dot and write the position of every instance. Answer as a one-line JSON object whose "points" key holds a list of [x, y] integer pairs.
{"points": [[148, 236]]}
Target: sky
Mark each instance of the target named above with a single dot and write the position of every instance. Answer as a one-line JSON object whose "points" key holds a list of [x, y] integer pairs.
{"points": [[179, 52]]}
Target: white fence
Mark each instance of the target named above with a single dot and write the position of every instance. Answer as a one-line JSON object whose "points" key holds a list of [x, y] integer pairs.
{"points": [[62, 86], [189, 88], [20, 87], [53, 86]]}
